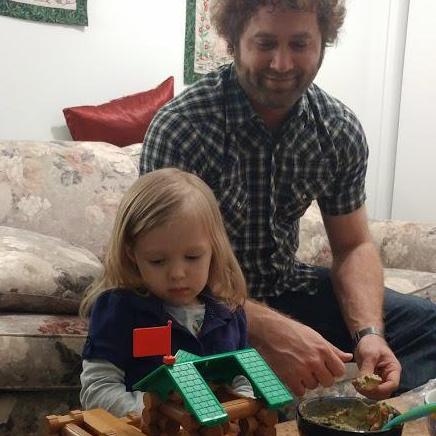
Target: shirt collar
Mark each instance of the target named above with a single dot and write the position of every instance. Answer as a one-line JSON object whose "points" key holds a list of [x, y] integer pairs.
{"points": [[237, 106], [215, 309]]}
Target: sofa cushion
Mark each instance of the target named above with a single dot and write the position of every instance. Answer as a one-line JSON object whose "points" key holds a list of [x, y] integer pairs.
{"points": [[134, 152], [43, 274], [406, 245], [406, 249], [40, 352], [70, 190], [122, 121], [401, 244], [408, 281]]}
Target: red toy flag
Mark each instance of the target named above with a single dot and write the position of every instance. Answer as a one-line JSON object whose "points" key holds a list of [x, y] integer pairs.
{"points": [[152, 341]]}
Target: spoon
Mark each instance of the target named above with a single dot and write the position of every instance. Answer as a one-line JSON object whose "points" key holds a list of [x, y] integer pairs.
{"points": [[410, 415]]}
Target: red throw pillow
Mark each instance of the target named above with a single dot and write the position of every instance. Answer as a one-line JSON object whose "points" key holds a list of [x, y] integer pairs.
{"points": [[123, 121]]}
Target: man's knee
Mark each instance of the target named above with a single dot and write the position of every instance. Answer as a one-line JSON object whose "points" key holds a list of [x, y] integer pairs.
{"points": [[408, 318], [396, 303]]}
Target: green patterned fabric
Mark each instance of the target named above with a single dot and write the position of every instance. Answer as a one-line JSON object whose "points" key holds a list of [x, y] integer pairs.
{"points": [[190, 76], [47, 14], [205, 51]]}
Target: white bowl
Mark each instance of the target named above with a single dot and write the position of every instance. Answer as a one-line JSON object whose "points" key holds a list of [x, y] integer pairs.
{"points": [[430, 397]]}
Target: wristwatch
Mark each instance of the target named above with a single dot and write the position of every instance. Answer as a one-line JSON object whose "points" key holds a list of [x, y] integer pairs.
{"points": [[358, 335]]}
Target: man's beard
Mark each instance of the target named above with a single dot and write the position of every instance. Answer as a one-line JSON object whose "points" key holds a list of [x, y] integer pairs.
{"points": [[260, 90], [282, 96]]}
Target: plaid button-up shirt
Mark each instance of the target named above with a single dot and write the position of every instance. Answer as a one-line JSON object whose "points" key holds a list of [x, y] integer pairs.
{"points": [[264, 182]]}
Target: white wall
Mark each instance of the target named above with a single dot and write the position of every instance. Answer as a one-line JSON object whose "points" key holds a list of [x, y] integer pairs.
{"points": [[129, 46], [132, 45], [364, 70], [415, 173]]}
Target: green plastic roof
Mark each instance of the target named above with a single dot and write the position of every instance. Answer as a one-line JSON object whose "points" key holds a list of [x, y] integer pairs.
{"points": [[190, 374]]}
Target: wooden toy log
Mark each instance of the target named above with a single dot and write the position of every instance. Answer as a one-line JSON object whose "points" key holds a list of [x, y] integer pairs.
{"points": [[151, 401], [73, 430], [167, 425], [212, 431], [267, 417], [149, 420], [175, 397], [149, 414], [132, 419], [226, 427], [179, 415], [53, 423], [152, 430], [264, 430], [97, 420], [148, 417], [171, 428], [242, 408], [248, 425]]}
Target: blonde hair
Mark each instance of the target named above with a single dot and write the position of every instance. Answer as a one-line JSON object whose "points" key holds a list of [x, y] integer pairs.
{"points": [[151, 201]]}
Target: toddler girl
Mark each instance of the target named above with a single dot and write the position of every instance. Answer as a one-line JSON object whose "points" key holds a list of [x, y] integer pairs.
{"points": [[169, 258]]}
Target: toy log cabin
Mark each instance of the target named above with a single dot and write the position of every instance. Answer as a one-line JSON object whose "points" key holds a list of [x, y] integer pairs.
{"points": [[185, 396]]}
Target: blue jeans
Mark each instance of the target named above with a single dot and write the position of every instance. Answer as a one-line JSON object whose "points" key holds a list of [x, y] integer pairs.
{"points": [[410, 326]]}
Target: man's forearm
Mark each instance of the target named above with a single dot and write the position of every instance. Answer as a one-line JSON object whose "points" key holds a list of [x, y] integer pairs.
{"points": [[358, 283], [259, 317]]}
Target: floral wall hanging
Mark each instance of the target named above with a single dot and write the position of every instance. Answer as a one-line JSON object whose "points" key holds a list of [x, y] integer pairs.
{"points": [[49, 11], [204, 50]]}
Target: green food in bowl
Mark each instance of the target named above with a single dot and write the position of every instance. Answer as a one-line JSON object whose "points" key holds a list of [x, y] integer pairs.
{"points": [[358, 417], [345, 416]]}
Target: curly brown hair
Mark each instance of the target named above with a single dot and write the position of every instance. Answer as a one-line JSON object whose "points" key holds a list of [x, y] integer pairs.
{"points": [[230, 17]]}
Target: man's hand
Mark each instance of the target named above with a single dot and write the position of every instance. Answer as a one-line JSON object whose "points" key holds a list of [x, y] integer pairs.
{"points": [[357, 277], [300, 356], [373, 356]]}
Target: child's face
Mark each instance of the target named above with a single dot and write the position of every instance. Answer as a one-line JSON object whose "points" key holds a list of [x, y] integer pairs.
{"points": [[174, 259]]}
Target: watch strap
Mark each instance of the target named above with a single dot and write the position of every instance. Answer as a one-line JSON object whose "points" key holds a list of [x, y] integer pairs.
{"points": [[358, 335]]}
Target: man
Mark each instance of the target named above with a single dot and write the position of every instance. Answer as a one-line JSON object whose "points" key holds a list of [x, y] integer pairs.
{"points": [[268, 141]]}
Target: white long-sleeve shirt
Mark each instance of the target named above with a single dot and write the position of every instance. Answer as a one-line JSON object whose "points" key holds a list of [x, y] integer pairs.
{"points": [[103, 386]]}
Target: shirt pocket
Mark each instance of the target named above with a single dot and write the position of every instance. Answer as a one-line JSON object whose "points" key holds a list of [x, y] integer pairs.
{"points": [[233, 204], [308, 184]]}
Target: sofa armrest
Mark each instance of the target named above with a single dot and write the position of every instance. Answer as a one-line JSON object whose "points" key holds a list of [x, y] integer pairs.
{"points": [[405, 244], [401, 244]]}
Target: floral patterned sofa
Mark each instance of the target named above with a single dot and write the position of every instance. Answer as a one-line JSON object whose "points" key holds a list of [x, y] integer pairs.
{"points": [[58, 201], [407, 250]]}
